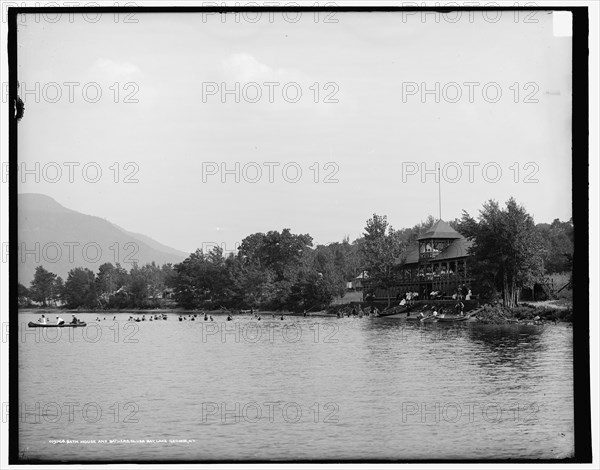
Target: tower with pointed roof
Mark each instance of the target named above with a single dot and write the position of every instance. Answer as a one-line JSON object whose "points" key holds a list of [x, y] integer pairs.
{"points": [[439, 237]]}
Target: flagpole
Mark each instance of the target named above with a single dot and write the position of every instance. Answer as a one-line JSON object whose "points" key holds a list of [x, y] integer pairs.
{"points": [[440, 190]]}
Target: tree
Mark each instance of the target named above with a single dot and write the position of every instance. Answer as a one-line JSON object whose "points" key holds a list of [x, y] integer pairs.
{"points": [[107, 280], [507, 249], [558, 243], [80, 289], [319, 281], [154, 281], [58, 291], [381, 247], [269, 265], [42, 287], [138, 286], [202, 278], [23, 295]]}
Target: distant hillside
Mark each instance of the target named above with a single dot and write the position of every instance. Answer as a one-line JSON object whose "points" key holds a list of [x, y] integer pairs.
{"points": [[61, 239], [154, 244]]}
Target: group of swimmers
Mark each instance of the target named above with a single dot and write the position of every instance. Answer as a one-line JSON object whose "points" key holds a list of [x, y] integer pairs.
{"points": [[358, 312], [193, 317], [158, 316]]}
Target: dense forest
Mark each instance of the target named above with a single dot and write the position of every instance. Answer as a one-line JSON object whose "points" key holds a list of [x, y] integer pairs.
{"points": [[283, 270]]}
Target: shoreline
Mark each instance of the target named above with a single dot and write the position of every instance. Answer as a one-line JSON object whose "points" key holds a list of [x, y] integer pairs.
{"points": [[549, 311]]}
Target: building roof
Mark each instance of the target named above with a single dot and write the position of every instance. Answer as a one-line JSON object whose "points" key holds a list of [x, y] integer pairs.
{"points": [[440, 229], [457, 249]]}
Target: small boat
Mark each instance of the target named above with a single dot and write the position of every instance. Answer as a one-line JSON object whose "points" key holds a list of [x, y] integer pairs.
{"points": [[452, 318], [466, 316], [54, 325], [393, 311], [429, 319]]}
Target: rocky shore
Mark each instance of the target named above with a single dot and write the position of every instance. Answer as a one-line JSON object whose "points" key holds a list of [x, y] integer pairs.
{"points": [[552, 311]]}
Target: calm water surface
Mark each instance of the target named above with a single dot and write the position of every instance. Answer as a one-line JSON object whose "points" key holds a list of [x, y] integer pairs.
{"points": [[301, 388]]}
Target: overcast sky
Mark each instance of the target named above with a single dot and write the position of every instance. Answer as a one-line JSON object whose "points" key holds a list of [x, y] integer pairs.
{"points": [[374, 133]]}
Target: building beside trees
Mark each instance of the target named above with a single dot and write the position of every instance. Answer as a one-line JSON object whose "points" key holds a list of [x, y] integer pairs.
{"points": [[438, 261]]}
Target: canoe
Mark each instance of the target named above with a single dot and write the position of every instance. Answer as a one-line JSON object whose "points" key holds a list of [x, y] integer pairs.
{"points": [[54, 325]]}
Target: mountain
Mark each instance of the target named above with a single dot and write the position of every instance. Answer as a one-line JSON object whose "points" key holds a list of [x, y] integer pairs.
{"points": [[61, 239]]}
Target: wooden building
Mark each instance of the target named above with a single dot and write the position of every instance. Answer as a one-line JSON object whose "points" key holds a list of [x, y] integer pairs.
{"points": [[437, 262]]}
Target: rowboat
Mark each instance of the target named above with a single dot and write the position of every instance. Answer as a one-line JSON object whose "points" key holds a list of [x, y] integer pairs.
{"points": [[54, 325], [452, 318], [429, 319], [392, 311]]}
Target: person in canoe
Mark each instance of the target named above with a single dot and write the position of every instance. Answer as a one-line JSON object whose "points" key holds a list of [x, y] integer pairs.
{"points": [[74, 320], [59, 321], [42, 320]]}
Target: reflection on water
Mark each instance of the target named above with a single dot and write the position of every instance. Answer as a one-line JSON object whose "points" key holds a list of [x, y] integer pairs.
{"points": [[301, 388]]}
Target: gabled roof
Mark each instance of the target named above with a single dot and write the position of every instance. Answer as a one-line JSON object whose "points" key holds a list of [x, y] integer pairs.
{"points": [[457, 249], [440, 229]]}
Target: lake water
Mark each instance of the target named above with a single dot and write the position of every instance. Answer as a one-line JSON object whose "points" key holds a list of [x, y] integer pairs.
{"points": [[298, 388]]}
